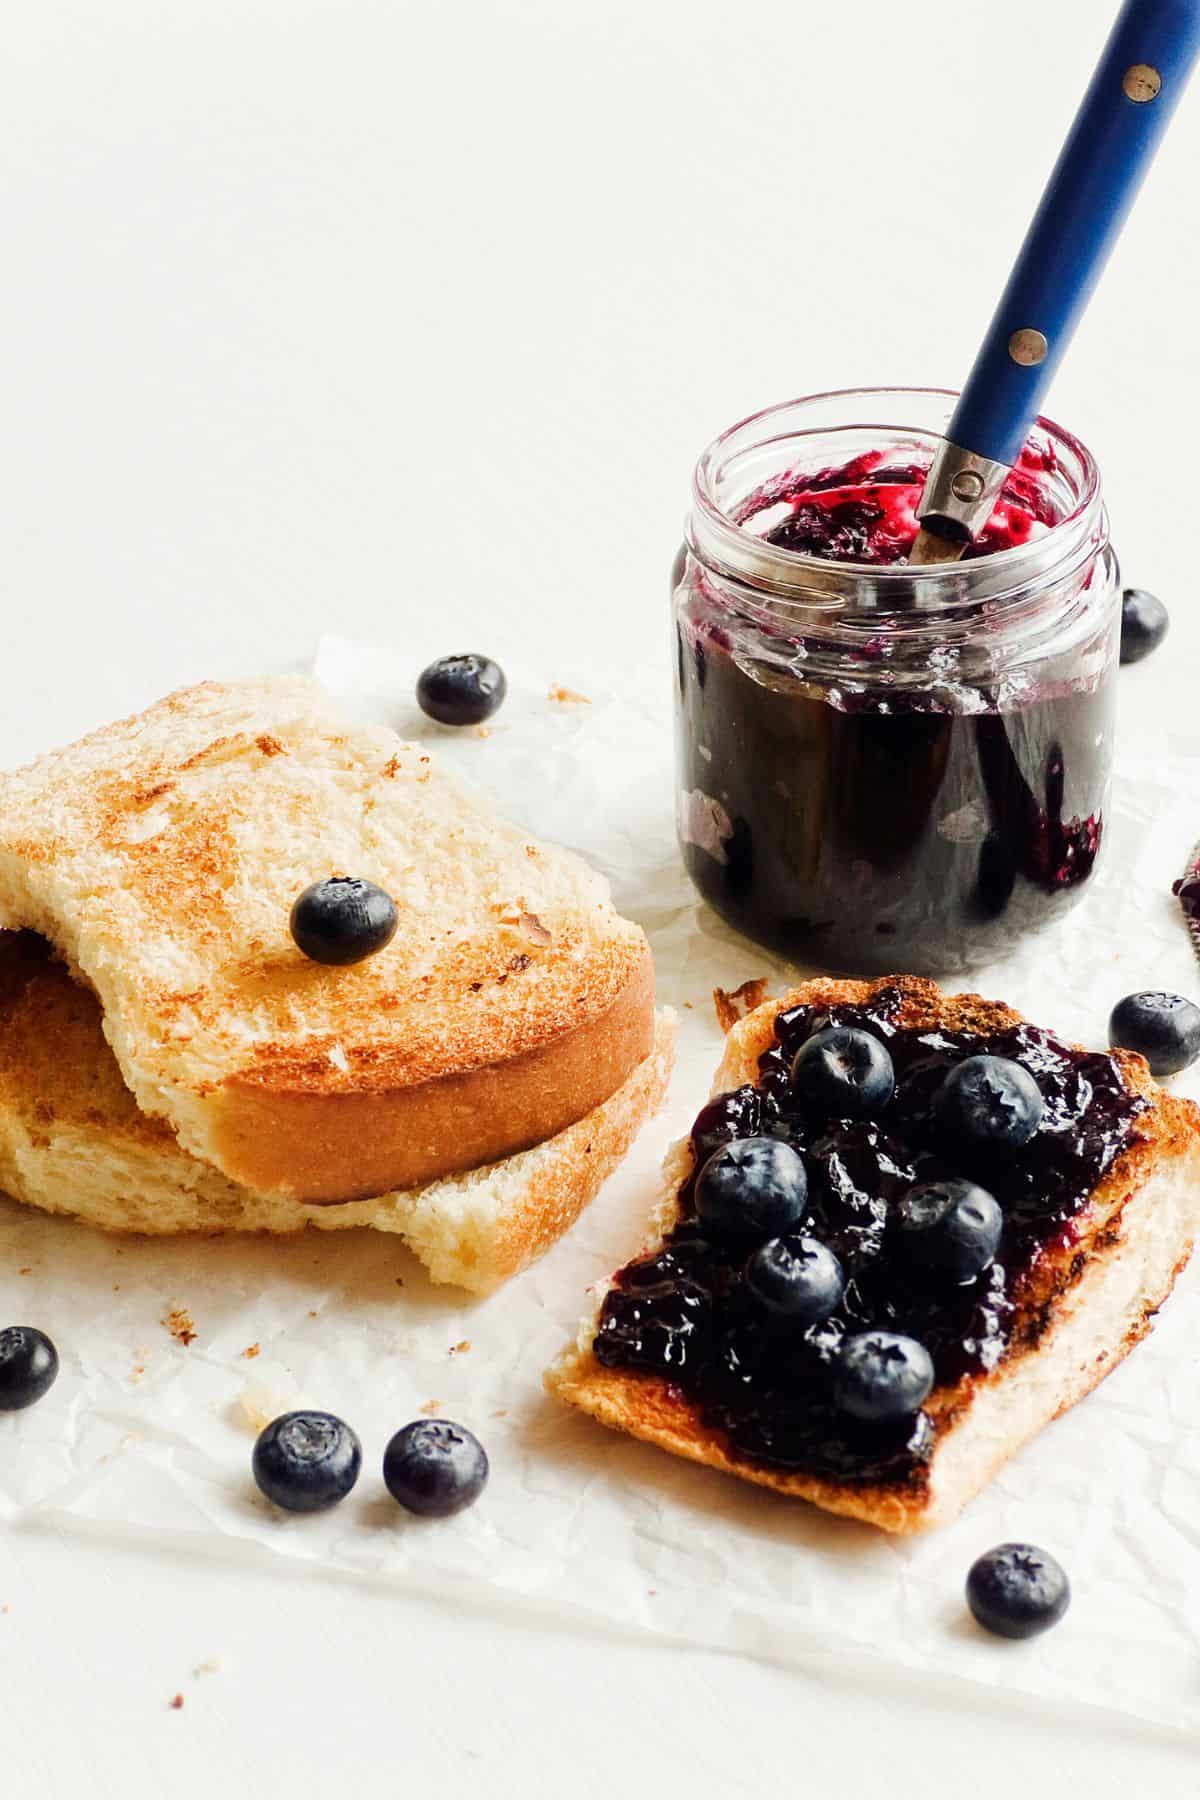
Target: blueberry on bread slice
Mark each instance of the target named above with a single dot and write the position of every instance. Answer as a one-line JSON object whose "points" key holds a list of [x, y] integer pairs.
{"points": [[162, 856], [954, 1225]]}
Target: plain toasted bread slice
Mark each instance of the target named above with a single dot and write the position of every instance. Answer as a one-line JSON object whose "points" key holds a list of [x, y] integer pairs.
{"points": [[1091, 1301], [162, 855], [73, 1141]]}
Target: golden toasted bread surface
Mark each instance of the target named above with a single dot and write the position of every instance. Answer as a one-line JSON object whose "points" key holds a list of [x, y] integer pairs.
{"points": [[1081, 1309], [162, 855], [74, 1141]]}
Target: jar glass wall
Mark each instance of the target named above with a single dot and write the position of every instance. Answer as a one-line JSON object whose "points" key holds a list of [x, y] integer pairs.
{"points": [[883, 768]]}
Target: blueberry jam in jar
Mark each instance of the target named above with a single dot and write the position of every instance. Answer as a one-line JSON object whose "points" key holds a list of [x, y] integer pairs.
{"points": [[882, 767], [687, 1313]]}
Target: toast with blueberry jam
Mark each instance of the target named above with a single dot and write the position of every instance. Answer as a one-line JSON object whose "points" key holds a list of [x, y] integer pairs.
{"points": [[906, 1232]]}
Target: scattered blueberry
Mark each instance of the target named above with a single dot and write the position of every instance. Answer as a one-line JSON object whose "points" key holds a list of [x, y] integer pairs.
{"points": [[880, 1377], [755, 1187], [306, 1461], [989, 1103], [461, 690], [343, 920], [1016, 1590], [435, 1468], [727, 1116], [842, 1073], [1164, 1028], [796, 1278], [28, 1366], [950, 1226], [1144, 624]]}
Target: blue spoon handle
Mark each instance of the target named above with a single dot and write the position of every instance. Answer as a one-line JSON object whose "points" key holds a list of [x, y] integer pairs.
{"points": [[1116, 132]]}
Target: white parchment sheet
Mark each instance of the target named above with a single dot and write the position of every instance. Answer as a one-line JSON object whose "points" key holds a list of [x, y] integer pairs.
{"points": [[145, 1437]]}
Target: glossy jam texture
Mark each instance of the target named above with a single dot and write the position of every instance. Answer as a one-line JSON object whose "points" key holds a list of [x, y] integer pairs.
{"points": [[860, 825], [686, 1313], [866, 510]]}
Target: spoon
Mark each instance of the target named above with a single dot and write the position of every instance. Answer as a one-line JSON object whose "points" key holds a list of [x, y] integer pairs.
{"points": [[1128, 105]]}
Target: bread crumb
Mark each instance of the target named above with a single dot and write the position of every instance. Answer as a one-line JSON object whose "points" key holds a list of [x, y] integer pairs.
{"points": [[565, 696], [139, 1369], [209, 1666], [251, 1351], [688, 1007], [534, 930], [269, 744], [28, 1271], [399, 1281], [501, 1412], [180, 1324], [483, 731], [432, 1408], [176, 1703], [313, 1314], [392, 768], [462, 1346], [116, 1287], [736, 1004]]}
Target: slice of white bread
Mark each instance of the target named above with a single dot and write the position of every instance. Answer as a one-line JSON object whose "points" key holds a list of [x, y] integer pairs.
{"points": [[161, 856], [73, 1141], [1091, 1300]]}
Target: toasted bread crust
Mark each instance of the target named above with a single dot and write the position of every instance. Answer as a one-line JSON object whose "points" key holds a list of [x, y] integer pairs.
{"points": [[1120, 1273], [288, 1134], [162, 855], [74, 1141]]}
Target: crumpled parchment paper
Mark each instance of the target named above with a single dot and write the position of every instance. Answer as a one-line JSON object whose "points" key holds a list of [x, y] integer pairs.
{"points": [[145, 1437]]}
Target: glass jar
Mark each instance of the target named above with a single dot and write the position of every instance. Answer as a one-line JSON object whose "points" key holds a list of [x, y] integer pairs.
{"points": [[884, 768]]}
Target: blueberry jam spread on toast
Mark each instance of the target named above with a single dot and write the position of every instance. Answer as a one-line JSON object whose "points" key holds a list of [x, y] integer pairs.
{"points": [[881, 1163]]}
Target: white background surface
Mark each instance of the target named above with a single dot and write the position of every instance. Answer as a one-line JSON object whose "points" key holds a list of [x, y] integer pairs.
{"points": [[408, 321]]}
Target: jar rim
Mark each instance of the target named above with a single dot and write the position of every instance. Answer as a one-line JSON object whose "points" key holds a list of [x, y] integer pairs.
{"points": [[747, 556]]}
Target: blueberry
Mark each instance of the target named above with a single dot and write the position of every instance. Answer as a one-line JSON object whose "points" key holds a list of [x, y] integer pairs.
{"points": [[952, 1227], [1144, 624], [1164, 1028], [28, 1366], [343, 920], [842, 1073], [306, 1461], [989, 1103], [461, 690], [795, 1278], [727, 1116], [880, 1376], [755, 1187], [1016, 1590], [435, 1468]]}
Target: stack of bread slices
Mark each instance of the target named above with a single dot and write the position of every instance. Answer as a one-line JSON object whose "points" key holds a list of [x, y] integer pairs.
{"points": [[171, 1062]]}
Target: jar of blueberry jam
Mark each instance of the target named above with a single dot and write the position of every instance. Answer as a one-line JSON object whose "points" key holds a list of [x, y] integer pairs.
{"points": [[883, 767]]}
